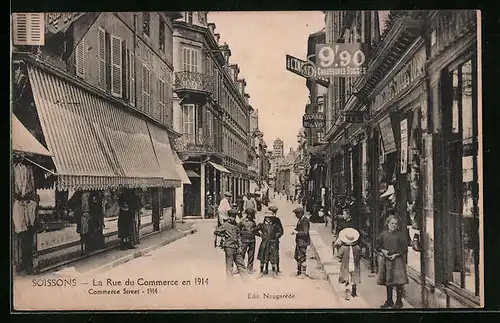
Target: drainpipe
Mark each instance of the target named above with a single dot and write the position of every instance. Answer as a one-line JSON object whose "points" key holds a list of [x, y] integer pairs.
{"points": [[135, 58]]}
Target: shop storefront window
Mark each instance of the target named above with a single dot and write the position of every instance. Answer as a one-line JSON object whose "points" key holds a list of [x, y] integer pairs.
{"points": [[463, 179]]}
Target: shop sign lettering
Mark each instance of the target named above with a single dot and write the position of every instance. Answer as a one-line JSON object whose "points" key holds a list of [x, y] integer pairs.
{"points": [[409, 72], [404, 145]]}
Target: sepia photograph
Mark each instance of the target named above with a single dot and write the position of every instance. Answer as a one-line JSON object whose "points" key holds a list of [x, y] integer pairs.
{"points": [[246, 160]]}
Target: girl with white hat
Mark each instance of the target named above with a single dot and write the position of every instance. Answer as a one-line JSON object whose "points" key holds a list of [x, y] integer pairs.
{"points": [[350, 256]]}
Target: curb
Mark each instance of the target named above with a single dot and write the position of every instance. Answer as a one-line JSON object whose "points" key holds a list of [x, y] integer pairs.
{"points": [[140, 253], [331, 267]]}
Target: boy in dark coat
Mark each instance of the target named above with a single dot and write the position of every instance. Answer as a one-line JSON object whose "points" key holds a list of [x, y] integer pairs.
{"points": [[302, 241], [231, 233], [270, 231], [247, 235]]}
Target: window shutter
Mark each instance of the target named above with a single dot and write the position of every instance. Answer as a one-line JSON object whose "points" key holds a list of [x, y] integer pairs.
{"points": [[80, 59], [28, 29], [116, 66], [132, 78], [101, 44], [125, 71], [161, 90], [146, 89]]}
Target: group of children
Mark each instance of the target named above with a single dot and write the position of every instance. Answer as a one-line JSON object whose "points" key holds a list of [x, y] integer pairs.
{"points": [[391, 248], [239, 238], [239, 243]]}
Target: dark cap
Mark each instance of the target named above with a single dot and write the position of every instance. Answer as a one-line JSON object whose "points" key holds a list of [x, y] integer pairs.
{"points": [[273, 208], [232, 212], [298, 209], [228, 194], [250, 211]]}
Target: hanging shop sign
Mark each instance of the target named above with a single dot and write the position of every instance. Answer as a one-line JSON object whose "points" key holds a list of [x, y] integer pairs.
{"points": [[404, 145], [314, 120], [354, 116], [340, 60], [306, 69], [387, 134], [402, 80]]}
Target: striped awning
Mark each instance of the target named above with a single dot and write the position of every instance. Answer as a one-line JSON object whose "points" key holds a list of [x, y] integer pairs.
{"points": [[23, 141], [96, 145], [164, 154], [220, 168]]}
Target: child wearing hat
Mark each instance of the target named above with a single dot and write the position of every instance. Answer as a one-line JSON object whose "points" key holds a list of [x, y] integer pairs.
{"points": [[350, 256], [247, 235], [274, 211], [231, 233], [302, 241], [270, 230]]}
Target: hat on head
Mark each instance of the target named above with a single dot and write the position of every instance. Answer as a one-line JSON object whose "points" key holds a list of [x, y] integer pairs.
{"points": [[273, 208], [250, 211], [232, 213], [228, 194], [298, 209], [349, 236]]}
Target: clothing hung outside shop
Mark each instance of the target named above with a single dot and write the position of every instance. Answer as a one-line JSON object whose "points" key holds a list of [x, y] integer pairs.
{"points": [[23, 215]]}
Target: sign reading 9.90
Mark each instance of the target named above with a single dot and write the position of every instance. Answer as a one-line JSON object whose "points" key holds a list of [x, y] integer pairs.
{"points": [[340, 60]]}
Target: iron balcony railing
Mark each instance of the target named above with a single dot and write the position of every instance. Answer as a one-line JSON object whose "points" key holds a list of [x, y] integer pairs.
{"points": [[194, 81], [199, 142]]}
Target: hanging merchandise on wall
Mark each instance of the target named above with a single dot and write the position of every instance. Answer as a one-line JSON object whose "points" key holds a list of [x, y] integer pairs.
{"points": [[404, 146]]}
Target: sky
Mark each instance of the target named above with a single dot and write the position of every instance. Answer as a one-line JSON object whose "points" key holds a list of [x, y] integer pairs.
{"points": [[259, 43]]}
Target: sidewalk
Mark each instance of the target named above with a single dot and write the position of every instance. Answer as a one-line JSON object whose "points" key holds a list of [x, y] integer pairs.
{"points": [[107, 259], [371, 295]]}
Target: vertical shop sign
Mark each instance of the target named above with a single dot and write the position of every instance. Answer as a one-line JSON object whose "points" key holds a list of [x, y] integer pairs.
{"points": [[404, 145]]}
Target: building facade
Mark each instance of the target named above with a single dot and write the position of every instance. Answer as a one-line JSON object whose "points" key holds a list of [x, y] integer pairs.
{"points": [[98, 95], [416, 152], [212, 112]]}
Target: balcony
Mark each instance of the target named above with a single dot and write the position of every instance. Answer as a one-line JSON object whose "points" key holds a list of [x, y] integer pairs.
{"points": [[193, 82], [196, 143]]}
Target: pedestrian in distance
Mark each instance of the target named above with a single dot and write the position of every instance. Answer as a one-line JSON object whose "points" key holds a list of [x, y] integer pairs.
{"points": [[230, 231], [350, 255], [392, 247], [302, 241], [249, 202], [270, 231], [248, 232]]}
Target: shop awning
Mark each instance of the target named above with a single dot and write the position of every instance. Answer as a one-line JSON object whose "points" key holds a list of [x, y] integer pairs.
{"points": [[219, 167], [24, 141], [180, 169], [192, 174], [96, 145], [165, 155]]}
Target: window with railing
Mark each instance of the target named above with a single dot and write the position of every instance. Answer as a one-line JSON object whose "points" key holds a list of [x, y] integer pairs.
{"points": [[189, 119], [190, 59]]}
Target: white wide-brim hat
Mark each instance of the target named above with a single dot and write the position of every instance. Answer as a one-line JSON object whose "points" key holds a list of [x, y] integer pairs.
{"points": [[389, 192], [349, 236]]}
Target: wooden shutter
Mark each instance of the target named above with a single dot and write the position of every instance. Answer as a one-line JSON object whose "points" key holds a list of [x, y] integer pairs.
{"points": [[132, 78], [101, 48], [116, 66], [28, 29], [80, 59], [161, 99], [125, 71], [146, 89]]}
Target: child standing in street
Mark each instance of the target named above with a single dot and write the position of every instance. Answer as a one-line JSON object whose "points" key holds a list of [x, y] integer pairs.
{"points": [[302, 241], [248, 232], [350, 256], [232, 249]]}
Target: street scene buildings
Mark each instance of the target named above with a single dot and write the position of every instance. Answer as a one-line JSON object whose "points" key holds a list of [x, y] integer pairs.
{"points": [[135, 133]]}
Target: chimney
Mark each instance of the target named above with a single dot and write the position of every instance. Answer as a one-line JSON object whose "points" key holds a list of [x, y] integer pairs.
{"points": [[211, 27], [217, 37]]}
